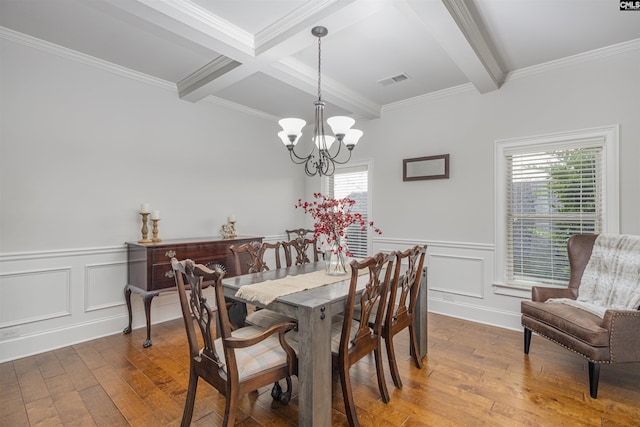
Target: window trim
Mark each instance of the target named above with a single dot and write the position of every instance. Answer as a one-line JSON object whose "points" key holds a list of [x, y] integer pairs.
{"points": [[606, 136], [368, 164]]}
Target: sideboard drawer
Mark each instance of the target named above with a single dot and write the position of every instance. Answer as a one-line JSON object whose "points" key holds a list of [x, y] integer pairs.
{"points": [[193, 252], [150, 266], [162, 277]]}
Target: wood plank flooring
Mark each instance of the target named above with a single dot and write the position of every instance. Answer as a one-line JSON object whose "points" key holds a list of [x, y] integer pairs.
{"points": [[474, 375]]}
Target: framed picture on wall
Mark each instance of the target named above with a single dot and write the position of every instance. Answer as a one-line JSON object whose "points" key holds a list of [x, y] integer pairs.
{"points": [[429, 167]]}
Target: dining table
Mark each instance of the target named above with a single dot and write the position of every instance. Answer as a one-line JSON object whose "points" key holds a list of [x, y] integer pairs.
{"points": [[313, 309]]}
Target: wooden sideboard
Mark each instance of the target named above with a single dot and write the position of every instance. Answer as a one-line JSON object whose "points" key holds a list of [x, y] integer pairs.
{"points": [[149, 271]]}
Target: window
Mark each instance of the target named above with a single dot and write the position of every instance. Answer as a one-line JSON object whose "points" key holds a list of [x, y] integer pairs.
{"points": [[549, 188], [353, 182]]}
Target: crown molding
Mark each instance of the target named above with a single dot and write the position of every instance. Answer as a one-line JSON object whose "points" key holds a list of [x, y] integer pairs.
{"points": [[444, 93], [593, 55], [63, 52]]}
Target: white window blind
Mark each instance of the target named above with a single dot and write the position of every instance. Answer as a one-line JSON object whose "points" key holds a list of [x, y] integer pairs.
{"points": [[550, 195], [352, 182]]}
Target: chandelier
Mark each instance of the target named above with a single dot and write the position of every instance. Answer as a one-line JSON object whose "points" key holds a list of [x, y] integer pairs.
{"points": [[322, 159]]}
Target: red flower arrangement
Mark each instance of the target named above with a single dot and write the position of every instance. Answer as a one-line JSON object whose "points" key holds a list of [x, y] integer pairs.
{"points": [[332, 217]]}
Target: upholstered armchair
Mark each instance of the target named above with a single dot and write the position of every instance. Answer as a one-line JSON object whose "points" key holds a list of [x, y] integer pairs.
{"points": [[613, 338]]}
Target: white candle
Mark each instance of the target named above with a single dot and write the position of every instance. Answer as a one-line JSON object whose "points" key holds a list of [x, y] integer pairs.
{"points": [[155, 215], [144, 208], [232, 218]]}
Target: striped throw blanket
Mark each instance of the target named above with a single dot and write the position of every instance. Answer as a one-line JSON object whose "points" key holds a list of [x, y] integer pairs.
{"points": [[611, 279]]}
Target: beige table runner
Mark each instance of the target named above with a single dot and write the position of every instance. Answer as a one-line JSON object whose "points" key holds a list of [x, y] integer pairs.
{"points": [[266, 292]]}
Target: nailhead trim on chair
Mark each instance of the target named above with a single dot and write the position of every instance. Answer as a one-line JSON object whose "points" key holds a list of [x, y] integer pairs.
{"points": [[570, 349], [613, 325]]}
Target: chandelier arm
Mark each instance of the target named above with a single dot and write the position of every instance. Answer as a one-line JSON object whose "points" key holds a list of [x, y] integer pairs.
{"points": [[300, 160], [309, 171], [332, 157], [342, 162], [330, 169]]}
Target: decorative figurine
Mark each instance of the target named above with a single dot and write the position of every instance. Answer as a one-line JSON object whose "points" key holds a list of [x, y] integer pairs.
{"points": [[228, 230]]}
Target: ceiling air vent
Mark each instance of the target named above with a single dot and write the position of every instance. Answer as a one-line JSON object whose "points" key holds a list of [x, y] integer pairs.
{"points": [[395, 79]]}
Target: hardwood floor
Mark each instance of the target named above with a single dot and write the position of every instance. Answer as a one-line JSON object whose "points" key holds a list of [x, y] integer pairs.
{"points": [[474, 375]]}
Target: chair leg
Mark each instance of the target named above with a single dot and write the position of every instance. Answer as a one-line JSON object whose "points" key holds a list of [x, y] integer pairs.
{"points": [[414, 346], [382, 384], [286, 396], [230, 409], [276, 391], [527, 340], [191, 398], [594, 376], [393, 366], [347, 395]]}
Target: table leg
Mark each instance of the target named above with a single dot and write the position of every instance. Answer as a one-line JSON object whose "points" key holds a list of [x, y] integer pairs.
{"points": [[127, 298], [420, 318], [314, 364]]}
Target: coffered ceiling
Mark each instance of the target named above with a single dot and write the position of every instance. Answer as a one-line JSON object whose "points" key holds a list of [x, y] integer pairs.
{"points": [[259, 55]]}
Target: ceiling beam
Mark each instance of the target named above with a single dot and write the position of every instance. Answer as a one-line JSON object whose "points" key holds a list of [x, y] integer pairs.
{"points": [[278, 43], [456, 28]]}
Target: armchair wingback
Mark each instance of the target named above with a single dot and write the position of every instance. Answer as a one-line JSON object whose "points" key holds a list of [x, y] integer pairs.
{"points": [[613, 338]]}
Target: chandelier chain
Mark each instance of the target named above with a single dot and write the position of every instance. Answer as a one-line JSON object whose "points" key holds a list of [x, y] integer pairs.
{"points": [[319, 74]]}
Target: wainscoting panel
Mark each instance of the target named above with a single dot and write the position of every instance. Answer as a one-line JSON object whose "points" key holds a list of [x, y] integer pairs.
{"points": [[459, 281], [51, 299], [462, 275], [32, 296], [100, 292]]}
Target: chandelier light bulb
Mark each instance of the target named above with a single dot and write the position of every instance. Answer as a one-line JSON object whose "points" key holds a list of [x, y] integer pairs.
{"points": [[292, 126], [352, 137], [340, 125], [286, 139]]}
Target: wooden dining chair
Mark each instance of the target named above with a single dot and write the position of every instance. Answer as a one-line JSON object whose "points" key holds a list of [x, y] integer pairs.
{"points": [[401, 307], [353, 339], [299, 247], [298, 232], [237, 362], [257, 250]]}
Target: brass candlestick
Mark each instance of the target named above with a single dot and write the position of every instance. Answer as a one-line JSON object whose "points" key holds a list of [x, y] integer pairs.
{"points": [[145, 230], [155, 231]]}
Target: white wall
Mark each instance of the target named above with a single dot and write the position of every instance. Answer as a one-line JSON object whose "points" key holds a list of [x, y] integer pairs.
{"points": [[456, 216], [82, 146]]}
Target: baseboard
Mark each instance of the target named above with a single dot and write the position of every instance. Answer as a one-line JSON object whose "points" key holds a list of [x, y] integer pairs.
{"points": [[476, 313], [28, 345]]}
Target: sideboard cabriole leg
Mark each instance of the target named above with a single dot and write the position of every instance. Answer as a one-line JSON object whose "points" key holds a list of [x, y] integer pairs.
{"points": [[147, 313], [127, 298]]}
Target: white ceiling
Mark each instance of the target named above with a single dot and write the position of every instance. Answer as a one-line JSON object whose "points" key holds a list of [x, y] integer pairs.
{"points": [[260, 54]]}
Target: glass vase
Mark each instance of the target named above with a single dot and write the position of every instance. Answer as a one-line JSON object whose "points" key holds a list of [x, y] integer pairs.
{"points": [[336, 262]]}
